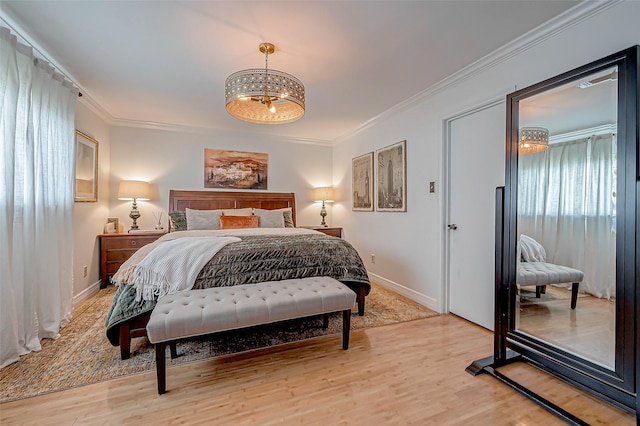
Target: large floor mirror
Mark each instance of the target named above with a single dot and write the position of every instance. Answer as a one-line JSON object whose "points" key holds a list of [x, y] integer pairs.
{"points": [[567, 296], [566, 216]]}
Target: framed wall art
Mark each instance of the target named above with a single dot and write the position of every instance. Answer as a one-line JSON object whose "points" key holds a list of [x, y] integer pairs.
{"points": [[362, 183], [391, 178], [86, 168], [235, 169]]}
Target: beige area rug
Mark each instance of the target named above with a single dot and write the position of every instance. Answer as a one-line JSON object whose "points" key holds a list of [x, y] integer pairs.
{"points": [[83, 355]]}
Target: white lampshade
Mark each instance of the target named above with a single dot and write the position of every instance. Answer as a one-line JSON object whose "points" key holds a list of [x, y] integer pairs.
{"points": [[134, 189], [324, 193]]}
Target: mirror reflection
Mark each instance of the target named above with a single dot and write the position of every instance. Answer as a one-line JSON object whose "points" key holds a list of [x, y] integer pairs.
{"points": [[567, 217]]}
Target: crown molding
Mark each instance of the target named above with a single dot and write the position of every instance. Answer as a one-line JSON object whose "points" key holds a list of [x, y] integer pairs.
{"points": [[118, 122], [571, 17], [87, 100], [584, 133]]}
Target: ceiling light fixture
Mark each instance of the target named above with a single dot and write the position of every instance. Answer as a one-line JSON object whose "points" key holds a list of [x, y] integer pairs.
{"points": [[533, 139], [264, 96]]}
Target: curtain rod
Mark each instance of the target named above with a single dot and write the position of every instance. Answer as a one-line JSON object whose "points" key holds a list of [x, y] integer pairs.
{"points": [[22, 39]]}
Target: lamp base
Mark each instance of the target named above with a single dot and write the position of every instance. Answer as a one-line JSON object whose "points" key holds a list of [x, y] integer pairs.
{"points": [[135, 214], [323, 214]]}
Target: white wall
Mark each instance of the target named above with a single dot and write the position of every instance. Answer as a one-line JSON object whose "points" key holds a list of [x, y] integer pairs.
{"points": [[175, 160], [408, 246], [88, 218]]}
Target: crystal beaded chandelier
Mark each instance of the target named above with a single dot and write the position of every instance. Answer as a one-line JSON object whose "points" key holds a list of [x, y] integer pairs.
{"points": [[264, 96], [532, 140]]}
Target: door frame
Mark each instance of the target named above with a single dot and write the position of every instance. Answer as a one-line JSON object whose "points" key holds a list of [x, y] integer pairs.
{"points": [[446, 188]]}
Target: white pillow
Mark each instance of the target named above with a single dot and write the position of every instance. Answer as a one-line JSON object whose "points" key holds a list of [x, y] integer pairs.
{"points": [[532, 251], [198, 220], [269, 218], [247, 211]]}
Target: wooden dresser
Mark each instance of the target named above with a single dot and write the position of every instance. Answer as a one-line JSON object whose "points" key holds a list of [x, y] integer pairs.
{"points": [[115, 249]]}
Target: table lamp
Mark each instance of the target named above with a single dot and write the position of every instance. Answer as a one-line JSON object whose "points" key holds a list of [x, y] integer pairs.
{"points": [[323, 195], [134, 190]]}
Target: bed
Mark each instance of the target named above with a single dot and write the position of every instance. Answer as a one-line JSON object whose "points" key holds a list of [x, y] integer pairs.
{"points": [[265, 256]]}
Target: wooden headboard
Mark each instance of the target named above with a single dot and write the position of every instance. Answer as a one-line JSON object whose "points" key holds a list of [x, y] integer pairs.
{"points": [[213, 200]]}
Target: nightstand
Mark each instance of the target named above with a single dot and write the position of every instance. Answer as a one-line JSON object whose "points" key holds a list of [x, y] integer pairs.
{"points": [[115, 249], [333, 231]]}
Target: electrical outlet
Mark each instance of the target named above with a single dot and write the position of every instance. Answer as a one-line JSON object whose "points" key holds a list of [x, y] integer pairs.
{"points": [[373, 258], [432, 187], [84, 271]]}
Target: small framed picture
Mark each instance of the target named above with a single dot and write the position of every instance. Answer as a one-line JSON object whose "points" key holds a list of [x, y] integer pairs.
{"points": [[112, 225], [391, 178], [362, 183], [86, 168]]}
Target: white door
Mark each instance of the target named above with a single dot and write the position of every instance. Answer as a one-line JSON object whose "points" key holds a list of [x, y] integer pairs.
{"points": [[476, 168]]}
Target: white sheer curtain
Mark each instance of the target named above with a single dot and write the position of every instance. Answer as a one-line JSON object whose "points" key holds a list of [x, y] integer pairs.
{"points": [[36, 199], [566, 201]]}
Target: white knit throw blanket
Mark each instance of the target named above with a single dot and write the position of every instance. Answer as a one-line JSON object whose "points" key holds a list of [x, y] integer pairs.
{"points": [[174, 265]]}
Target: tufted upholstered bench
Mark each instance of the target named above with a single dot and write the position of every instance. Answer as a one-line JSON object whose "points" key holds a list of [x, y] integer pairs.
{"points": [[541, 273], [193, 313]]}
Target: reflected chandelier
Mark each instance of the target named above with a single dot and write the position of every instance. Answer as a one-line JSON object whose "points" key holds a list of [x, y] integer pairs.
{"points": [[264, 96], [532, 140]]}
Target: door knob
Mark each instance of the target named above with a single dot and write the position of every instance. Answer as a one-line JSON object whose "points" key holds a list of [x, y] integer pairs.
{"points": [[453, 227]]}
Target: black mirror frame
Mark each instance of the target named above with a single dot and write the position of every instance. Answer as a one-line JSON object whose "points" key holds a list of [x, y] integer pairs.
{"points": [[619, 386]]}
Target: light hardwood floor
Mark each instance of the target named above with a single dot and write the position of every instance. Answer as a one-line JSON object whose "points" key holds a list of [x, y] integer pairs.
{"points": [[408, 373], [587, 331]]}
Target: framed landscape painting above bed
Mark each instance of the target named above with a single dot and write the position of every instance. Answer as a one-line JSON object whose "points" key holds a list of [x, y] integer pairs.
{"points": [[235, 169]]}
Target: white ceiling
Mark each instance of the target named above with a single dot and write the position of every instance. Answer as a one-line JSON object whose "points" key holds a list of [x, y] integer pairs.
{"points": [[568, 108], [166, 61]]}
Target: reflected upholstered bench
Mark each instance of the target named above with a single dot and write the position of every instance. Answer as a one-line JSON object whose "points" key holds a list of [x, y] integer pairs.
{"points": [[541, 274]]}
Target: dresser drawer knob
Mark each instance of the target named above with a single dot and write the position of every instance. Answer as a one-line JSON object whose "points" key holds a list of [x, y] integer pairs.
{"points": [[134, 242]]}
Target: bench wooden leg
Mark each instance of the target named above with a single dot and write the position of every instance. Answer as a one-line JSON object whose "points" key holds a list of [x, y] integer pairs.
{"points": [[161, 366], [124, 340], [346, 328], [325, 321], [574, 294], [174, 350]]}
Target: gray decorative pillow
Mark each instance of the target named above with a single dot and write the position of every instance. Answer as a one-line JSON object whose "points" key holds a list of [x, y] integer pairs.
{"points": [[288, 219], [269, 218], [178, 221], [288, 216], [203, 219], [246, 211]]}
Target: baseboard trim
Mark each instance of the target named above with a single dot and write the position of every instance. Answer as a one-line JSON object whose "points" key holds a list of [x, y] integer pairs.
{"points": [[86, 293], [417, 297]]}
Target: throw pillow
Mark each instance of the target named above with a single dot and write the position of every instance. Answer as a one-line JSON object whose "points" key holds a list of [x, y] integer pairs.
{"points": [[203, 219], [178, 221], [247, 211], [269, 218], [238, 222]]}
